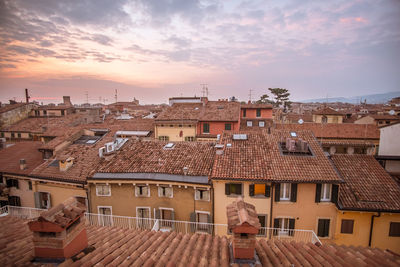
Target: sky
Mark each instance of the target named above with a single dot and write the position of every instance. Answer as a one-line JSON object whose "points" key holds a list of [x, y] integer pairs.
{"points": [[155, 49]]}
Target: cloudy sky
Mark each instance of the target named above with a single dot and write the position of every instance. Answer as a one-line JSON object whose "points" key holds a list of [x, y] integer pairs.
{"points": [[154, 49]]}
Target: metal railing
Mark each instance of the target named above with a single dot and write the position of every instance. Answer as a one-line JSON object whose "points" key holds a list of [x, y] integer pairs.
{"points": [[186, 227]]}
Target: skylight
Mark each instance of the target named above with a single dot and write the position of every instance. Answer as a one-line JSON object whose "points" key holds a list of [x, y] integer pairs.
{"points": [[293, 134], [239, 137], [169, 146]]}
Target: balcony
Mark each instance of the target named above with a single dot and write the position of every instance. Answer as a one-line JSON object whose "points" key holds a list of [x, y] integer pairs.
{"points": [[185, 227]]}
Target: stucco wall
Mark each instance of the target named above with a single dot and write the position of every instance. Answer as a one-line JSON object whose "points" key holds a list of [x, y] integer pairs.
{"points": [[15, 115], [330, 118], [59, 192], [389, 144], [26, 195], [173, 132], [252, 113], [217, 127], [124, 201]]}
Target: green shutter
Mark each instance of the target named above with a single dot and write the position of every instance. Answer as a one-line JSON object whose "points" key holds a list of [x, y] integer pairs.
{"points": [[277, 192], [318, 193], [227, 189], [291, 227], [276, 226], [321, 225], [293, 193], [335, 192], [267, 191], [251, 190]]}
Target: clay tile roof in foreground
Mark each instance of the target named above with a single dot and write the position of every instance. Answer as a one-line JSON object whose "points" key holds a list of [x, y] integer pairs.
{"points": [[64, 213], [240, 212], [367, 185], [28, 150], [336, 130], [123, 247], [152, 157], [260, 158]]}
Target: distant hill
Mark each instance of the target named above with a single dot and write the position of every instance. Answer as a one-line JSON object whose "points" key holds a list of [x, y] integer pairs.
{"points": [[371, 99]]}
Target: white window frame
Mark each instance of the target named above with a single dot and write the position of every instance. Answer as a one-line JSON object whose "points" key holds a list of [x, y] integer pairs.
{"points": [[100, 217], [261, 124], [97, 191], [49, 199], [142, 185], [282, 229], [202, 189], [282, 189], [159, 192], [326, 189], [137, 208], [249, 123]]}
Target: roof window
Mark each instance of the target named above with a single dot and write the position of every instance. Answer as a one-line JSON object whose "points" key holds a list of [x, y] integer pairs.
{"points": [[239, 137], [169, 146], [293, 134]]}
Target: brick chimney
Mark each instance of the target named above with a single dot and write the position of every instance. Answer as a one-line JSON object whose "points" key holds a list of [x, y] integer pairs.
{"points": [[60, 232], [65, 163], [67, 100], [244, 224]]}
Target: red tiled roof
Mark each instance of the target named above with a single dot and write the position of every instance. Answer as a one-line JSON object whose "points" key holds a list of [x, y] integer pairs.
{"points": [[240, 212], [367, 185], [28, 150], [256, 106], [260, 158], [327, 111], [358, 143], [123, 247], [151, 157], [336, 130], [181, 112]]}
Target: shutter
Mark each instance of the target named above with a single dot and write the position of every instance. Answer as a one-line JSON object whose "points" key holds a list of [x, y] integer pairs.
{"points": [[251, 190], [291, 227], [326, 227], [158, 214], [267, 191], [197, 194], [335, 192], [193, 220], [210, 226], [227, 189], [37, 199], [277, 192], [318, 193], [293, 193], [9, 182], [321, 225], [18, 201], [173, 219], [49, 200], [276, 226]]}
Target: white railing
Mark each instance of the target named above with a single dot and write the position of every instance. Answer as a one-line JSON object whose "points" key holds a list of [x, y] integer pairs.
{"points": [[167, 225]]}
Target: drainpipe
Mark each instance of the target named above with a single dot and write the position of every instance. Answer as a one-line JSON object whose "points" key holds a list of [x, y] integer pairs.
{"points": [[272, 200], [372, 227]]}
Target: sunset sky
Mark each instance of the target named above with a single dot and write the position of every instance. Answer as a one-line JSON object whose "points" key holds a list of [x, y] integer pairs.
{"points": [[155, 49]]}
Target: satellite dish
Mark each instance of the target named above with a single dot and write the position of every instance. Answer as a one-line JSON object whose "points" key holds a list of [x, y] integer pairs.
{"points": [[300, 121], [391, 112]]}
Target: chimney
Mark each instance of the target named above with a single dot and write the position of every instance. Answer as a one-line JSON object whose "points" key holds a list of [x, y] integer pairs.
{"points": [[22, 164], [244, 224], [67, 100], [65, 164], [185, 170], [27, 96], [60, 232]]}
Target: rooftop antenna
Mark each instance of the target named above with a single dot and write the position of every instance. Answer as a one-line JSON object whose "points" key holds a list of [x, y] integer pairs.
{"points": [[204, 90], [250, 92], [116, 96], [87, 96]]}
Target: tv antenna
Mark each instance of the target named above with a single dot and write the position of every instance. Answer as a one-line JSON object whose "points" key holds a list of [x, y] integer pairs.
{"points": [[116, 95], [87, 96], [204, 89]]}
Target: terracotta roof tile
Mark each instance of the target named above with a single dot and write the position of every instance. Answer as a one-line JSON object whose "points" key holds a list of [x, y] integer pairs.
{"points": [[367, 185], [327, 111], [240, 212], [260, 158]]}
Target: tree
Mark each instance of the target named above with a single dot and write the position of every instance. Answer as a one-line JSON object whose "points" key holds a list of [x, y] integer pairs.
{"points": [[281, 96], [264, 99]]}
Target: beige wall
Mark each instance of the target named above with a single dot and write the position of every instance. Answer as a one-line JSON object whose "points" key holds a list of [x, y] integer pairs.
{"points": [[26, 195], [124, 202], [221, 200], [59, 192], [173, 132], [306, 211], [389, 144], [361, 230], [23, 135], [331, 118]]}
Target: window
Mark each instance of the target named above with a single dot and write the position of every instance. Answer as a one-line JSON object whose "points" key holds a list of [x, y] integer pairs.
{"points": [[143, 214], [249, 124], [347, 226], [323, 227], [263, 221], [167, 217], [12, 135], [189, 138], [324, 119], [202, 194], [163, 138], [244, 113], [30, 185], [285, 192], [206, 128], [12, 183], [326, 192], [103, 190], [14, 201], [284, 226], [165, 191], [228, 126], [394, 229], [203, 219], [233, 189], [258, 112], [261, 124], [142, 191], [42, 200], [2, 134], [19, 135], [106, 218], [44, 112], [260, 190]]}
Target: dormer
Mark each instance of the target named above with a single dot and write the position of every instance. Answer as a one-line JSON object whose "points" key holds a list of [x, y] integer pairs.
{"points": [[65, 164]]}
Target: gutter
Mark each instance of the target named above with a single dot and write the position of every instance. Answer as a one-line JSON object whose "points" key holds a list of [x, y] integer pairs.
{"points": [[372, 227]]}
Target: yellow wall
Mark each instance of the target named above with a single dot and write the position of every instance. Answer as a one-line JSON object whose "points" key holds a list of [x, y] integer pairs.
{"points": [[59, 192], [182, 202], [221, 201], [173, 132], [331, 118], [306, 211], [361, 230], [26, 195]]}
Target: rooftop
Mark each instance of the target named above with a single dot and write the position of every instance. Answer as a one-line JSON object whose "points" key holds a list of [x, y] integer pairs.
{"points": [[117, 246], [368, 186], [9, 107], [327, 111], [260, 158]]}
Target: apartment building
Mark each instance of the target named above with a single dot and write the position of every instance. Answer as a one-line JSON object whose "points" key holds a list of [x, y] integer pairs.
{"points": [[327, 115], [368, 205], [284, 174], [155, 179], [253, 116]]}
